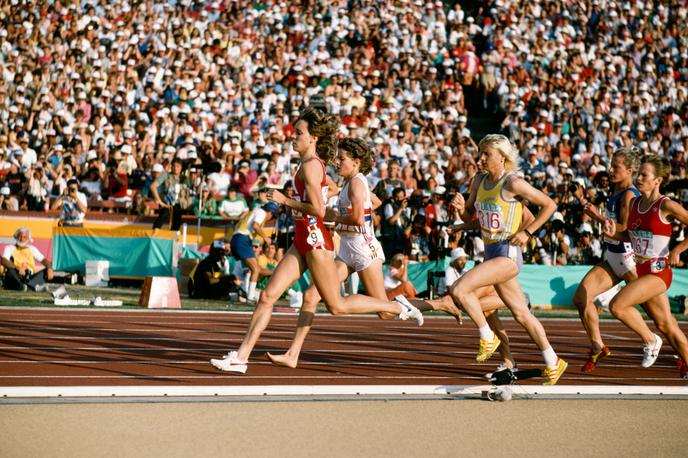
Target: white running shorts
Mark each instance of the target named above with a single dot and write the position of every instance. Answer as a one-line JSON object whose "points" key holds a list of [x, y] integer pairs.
{"points": [[621, 263], [358, 254]]}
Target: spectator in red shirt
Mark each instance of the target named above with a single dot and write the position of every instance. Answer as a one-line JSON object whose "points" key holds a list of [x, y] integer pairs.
{"points": [[116, 179], [244, 178]]}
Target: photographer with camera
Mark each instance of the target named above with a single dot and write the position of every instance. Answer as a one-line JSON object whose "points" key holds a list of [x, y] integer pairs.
{"points": [[396, 216], [418, 239], [208, 280], [172, 194], [72, 204], [436, 218]]}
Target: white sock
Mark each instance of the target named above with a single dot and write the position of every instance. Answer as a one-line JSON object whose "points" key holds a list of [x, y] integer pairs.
{"points": [[353, 281], [247, 281], [485, 332], [550, 357], [251, 291]]}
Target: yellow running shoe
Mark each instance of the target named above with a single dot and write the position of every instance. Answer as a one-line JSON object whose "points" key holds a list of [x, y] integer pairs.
{"points": [[487, 348], [553, 374]]}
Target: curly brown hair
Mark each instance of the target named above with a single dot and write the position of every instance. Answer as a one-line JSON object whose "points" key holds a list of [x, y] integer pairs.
{"points": [[357, 148], [324, 127]]}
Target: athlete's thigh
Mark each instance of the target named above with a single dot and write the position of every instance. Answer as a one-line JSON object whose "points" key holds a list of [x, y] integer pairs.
{"points": [[489, 299], [485, 291], [288, 270], [491, 272], [659, 309], [323, 270], [599, 279], [343, 271], [639, 291], [511, 293], [373, 280]]}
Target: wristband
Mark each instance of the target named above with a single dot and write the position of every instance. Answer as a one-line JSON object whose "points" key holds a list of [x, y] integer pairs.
{"points": [[528, 232]]}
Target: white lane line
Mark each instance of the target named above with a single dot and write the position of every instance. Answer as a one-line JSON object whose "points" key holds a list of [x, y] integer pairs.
{"points": [[167, 362], [524, 391], [631, 336], [47, 335], [242, 377]]}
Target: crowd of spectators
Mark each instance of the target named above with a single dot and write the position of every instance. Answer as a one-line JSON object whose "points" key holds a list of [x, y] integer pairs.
{"points": [[110, 92]]}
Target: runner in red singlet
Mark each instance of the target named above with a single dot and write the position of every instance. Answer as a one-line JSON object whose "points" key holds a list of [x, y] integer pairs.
{"points": [[315, 141], [648, 228]]}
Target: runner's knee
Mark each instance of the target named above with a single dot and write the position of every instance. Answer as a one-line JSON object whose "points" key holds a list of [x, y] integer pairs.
{"points": [[310, 297], [335, 309], [458, 294], [267, 298], [664, 327], [521, 315], [580, 298], [616, 309]]}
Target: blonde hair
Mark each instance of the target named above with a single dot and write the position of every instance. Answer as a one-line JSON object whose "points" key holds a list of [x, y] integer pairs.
{"points": [[502, 144], [631, 157]]}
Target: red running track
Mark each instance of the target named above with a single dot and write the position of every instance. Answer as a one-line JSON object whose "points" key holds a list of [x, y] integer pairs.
{"points": [[73, 347]]}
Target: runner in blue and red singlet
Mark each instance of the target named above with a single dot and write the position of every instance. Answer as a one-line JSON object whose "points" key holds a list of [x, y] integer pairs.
{"points": [[648, 229]]}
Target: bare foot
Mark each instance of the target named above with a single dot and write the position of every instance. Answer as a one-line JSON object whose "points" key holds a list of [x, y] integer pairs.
{"points": [[447, 305], [283, 360]]}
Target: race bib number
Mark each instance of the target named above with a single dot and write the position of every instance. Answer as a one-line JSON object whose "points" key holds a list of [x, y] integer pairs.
{"points": [[490, 217], [642, 243], [658, 265], [315, 237], [373, 250]]}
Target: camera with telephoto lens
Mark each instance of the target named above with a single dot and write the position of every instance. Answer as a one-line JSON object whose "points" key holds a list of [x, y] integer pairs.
{"points": [[416, 201]]}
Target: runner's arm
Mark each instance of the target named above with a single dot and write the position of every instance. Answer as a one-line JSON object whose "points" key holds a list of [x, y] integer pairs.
{"points": [[673, 209], [357, 199]]}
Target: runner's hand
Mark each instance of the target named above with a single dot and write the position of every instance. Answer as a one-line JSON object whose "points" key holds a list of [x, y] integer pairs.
{"points": [[276, 196], [519, 239], [458, 203], [609, 228], [331, 214], [675, 258]]}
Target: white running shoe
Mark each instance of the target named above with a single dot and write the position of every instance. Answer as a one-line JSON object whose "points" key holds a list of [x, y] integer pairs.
{"points": [[230, 363], [651, 352], [409, 311]]}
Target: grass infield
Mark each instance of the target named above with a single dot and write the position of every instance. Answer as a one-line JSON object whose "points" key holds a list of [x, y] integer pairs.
{"points": [[130, 295]]}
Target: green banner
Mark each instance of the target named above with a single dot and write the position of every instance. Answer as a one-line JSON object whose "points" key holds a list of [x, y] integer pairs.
{"points": [[130, 253], [546, 285]]}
